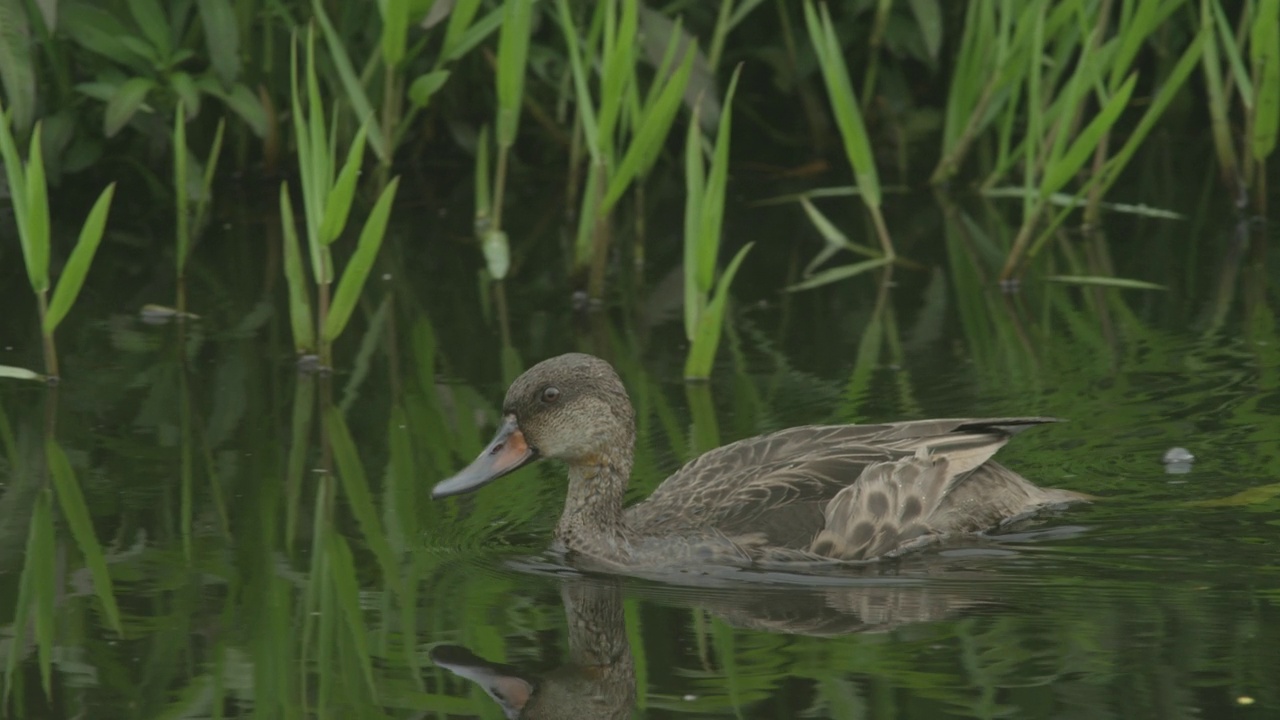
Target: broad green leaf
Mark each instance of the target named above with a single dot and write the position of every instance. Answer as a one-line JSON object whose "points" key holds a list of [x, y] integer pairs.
{"points": [[426, 85], [37, 216], [101, 33], [76, 513], [1103, 281], [357, 270], [17, 373], [77, 267], [188, 93], [337, 205], [129, 97], [247, 105], [513, 54], [395, 30], [702, 353], [304, 339], [1264, 55], [155, 25], [355, 486], [346, 589], [17, 71], [222, 38], [841, 273], [928, 17]]}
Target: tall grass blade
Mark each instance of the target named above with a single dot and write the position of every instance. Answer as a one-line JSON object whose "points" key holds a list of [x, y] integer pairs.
{"points": [[18, 194], [1105, 281], [37, 215], [651, 134], [76, 513], [346, 590], [694, 182], [844, 272], [702, 353], [304, 337], [844, 102], [35, 595], [77, 267], [304, 400], [460, 19], [717, 184], [351, 82], [1062, 170], [395, 31], [180, 187], [357, 270], [356, 486]]}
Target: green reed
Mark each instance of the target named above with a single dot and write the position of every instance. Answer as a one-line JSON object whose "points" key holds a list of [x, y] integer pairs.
{"points": [[705, 295], [190, 221], [29, 192], [327, 195], [848, 115], [623, 136]]}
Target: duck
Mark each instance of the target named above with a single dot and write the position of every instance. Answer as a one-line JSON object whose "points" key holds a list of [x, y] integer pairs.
{"points": [[807, 494]]}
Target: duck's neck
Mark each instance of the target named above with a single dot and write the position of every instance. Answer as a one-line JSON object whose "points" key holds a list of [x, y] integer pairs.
{"points": [[592, 522]]}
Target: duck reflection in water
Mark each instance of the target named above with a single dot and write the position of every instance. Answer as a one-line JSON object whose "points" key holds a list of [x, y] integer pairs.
{"points": [[598, 680]]}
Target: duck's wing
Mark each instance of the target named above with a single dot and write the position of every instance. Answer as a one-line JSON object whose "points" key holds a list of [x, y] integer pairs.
{"points": [[776, 487]]}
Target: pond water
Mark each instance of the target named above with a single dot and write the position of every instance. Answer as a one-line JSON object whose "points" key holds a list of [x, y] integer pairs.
{"points": [[250, 582]]}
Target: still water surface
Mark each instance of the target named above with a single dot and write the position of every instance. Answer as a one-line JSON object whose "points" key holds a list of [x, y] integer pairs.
{"points": [[253, 584]]}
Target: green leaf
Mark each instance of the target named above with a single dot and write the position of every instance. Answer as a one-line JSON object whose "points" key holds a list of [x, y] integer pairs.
{"points": [[35, 594], [928, 17], [222, 38], [188, 94], [99, 32], [346, 588], [1103, 281], [127, 100], [357, 270], [513, 54], [76, 513], [155, 26], [844, 102], [337, 205], [426, 85], [712, 208], [77, 267], [37, 216], [17, 71], [355, 486], [841, 273], [17, 373], [1264, 55], [304, 339], [351, 82], [460, 35], [651, 134], [395, 30], [1062, 169], [702, 353], [694, 184]]}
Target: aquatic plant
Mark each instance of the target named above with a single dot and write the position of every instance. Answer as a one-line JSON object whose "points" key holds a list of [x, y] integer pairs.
{"points": [[326, 202], [29, 191]]}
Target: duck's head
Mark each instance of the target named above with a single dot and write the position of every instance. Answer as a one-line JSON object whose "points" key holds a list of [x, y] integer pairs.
{"points": [[572, 408]]}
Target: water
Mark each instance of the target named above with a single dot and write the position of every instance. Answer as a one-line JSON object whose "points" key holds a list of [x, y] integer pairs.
{"points": [[243, 591]]}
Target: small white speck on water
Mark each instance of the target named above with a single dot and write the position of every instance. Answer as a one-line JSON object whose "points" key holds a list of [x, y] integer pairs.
{"points": [[690, 698], [1244, 700], [386, 276]]}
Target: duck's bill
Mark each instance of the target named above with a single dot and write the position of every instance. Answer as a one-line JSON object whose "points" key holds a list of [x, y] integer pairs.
{"points": [[507, 452]]}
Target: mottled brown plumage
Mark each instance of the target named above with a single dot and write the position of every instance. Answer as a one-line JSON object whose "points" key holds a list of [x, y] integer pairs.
{"points": [[813, 493]]}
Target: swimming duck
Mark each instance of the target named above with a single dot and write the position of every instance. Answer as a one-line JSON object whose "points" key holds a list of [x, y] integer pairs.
{"points": [[810, 493]]}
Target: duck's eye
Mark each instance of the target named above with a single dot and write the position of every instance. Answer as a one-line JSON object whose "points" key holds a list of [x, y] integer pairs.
{"points": [[550, 394]]}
